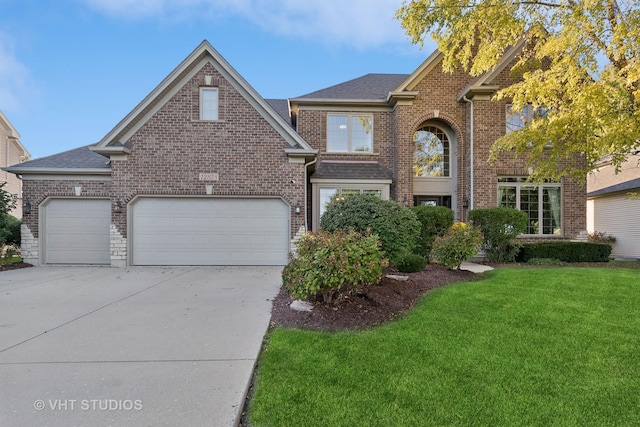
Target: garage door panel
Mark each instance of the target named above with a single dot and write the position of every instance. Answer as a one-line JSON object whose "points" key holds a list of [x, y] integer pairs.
{"points": [[210, 231], [76, 231]]}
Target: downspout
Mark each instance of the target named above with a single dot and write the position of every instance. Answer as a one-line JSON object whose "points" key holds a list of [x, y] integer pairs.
{"points": [[306, 215], [471, 171]]}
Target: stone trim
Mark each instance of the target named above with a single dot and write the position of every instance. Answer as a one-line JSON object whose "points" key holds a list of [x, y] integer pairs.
{"points": [[118, 245], [29, 246]]}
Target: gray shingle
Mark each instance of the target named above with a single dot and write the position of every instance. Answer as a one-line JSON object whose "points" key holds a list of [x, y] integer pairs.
{"points": [[351, 170], [282, 108], [369, 86], [623, 186], [77, 158]]}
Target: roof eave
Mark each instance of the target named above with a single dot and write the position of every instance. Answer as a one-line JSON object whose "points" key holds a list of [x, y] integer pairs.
{"points": [[57, 171], [337, 101], [109, 150], [473, 91], [299, 152]]}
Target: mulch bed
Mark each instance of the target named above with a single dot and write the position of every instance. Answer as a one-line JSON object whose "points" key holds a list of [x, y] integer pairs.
{"points": [[14, 266], [368, 305]]}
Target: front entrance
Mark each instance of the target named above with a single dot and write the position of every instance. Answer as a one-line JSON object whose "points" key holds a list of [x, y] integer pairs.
{"points": [[432, 201]]}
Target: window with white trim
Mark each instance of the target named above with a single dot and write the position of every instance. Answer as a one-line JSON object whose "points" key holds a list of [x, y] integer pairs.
{"points": [[208, 103], [430, 152], [350, 133], [541, 202], [517, 120], [328, 195]]}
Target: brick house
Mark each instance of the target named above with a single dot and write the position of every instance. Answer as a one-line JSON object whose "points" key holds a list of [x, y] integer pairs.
{"points": [[204, 171]]}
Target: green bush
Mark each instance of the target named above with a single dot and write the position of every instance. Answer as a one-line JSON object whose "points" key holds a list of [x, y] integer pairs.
{"points": [[566, 251], [12, 227], [500, 227], [411, 263], [395, 225], [435, 221], [331, 265], [459, 243]]}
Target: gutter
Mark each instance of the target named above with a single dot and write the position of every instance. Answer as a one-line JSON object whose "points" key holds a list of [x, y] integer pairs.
{"points": [[471, 168]]}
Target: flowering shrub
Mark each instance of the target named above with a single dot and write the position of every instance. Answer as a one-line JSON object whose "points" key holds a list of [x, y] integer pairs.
{"points": [[459, 243], [331, 265]]}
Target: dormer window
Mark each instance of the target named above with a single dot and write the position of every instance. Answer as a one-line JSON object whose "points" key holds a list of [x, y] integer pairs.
{"points": [[208, 103], [350, 133]]}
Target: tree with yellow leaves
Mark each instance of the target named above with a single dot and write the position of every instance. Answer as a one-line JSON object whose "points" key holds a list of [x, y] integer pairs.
{"points": [[580, 66]]}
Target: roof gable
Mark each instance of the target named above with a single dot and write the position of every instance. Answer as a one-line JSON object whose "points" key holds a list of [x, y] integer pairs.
{"points": [[202, 55]]}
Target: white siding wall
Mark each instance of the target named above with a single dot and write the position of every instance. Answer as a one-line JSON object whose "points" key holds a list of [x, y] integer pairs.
{"points": [[619, 216]]}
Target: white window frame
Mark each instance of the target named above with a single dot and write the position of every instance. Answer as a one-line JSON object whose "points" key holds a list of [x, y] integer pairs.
{"points": [[527, 114], [381, 186], [214, 116], [522, 182], [349, 117]]}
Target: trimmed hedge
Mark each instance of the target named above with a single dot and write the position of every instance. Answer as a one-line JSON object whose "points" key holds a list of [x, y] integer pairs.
{"points": [[435, 221], [412, 263], [395, 225], [566, 251]]}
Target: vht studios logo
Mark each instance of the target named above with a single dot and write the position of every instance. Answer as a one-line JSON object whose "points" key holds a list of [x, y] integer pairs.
{"points": [[88, 405]]}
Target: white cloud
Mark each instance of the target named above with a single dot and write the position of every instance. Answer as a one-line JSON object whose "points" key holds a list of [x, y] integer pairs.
{"points": [[14, 77], [359, 23]]}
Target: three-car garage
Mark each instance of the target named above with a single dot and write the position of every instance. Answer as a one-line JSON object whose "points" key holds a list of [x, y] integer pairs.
{"points": [[169, 231]]}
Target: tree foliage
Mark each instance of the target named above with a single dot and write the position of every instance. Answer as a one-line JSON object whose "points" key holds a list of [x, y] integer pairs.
{"points": [[6, 205], [580, 62]]}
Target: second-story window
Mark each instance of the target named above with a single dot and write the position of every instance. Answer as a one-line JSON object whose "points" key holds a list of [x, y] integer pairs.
{"points": [[208, 103], [350, 133]]}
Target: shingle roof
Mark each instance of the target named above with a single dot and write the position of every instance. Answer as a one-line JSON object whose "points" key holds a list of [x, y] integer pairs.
{"points": [[78, 158], [351, 170], [369, 86], [282, 108], [623, 186]]}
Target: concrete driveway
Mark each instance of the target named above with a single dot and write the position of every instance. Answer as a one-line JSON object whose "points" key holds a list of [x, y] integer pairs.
{"points": [[143, 346]]}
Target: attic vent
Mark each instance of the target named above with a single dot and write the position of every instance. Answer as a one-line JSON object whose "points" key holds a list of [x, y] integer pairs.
{"points": [[207, 80]]}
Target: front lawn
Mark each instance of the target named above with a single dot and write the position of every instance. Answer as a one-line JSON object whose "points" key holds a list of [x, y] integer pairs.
{"points": [[552, 346]]}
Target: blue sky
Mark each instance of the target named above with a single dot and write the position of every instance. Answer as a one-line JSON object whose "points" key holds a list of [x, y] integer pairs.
{"points": [[70, 70]]}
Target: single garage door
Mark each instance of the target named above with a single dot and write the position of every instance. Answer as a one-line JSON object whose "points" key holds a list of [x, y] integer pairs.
{"points": [[76, 231], [210, 231]]}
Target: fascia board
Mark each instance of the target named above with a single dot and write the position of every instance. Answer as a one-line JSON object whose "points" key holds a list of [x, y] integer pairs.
{"points": [[57, 171]]}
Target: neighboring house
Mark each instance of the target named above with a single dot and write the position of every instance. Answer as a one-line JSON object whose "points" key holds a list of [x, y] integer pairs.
{"points": [[11, 152], [611, 209], [205, 172]]}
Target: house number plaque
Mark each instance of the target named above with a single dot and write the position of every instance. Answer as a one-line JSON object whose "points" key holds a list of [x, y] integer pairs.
{"points": [[209, 176]]}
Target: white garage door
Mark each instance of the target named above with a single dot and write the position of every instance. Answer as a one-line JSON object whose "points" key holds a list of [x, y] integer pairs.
{"points": [[76, 231], [210, 231]]}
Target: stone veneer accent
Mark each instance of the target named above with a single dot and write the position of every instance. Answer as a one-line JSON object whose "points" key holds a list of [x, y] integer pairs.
{"points": [[118, 247], [29, 246]]}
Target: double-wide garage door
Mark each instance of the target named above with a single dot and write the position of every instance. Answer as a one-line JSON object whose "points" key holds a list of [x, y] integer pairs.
{"points": [[209, 231]]}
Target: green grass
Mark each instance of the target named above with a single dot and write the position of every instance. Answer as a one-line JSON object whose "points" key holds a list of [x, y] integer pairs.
{"points": [[550, 346]]}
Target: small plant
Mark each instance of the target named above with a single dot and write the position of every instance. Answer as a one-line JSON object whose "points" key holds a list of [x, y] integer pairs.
{"points": [[396, 225], [500, 227], [7, 255], [459, 243], [331, 265], [412, 263], [435, 221], [601, 237]]}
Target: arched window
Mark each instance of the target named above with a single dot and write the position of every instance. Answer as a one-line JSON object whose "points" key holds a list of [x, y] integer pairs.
{"points": [[430, 152]]}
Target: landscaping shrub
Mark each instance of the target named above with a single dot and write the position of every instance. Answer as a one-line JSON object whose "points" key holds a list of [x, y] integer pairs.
{"points": [[331, 265], [12, 226], [458, 244], [601, 237], [395, 225], [566, 251], [435, 221], [411, 263], [500, 227]]}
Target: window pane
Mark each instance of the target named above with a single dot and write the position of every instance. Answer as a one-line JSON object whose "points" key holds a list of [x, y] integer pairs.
{"points": [[209, 104], [361, 133], [551, 210], [431, 152], [516, 119], [507, 197], [346, 192], [373, 192], [337, 133], [327, 195], [529, 205]]}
